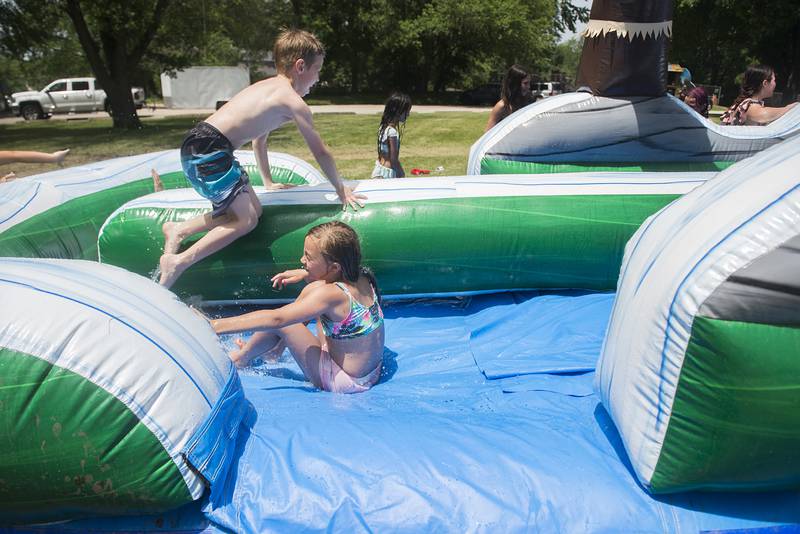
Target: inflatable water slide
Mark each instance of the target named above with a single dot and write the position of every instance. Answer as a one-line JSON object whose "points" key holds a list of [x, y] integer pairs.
{"points": [[519, 391]]}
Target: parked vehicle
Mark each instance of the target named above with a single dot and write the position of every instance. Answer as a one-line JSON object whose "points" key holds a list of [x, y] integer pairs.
{"points": [[67, 95], [545, 89], [487, 94]]}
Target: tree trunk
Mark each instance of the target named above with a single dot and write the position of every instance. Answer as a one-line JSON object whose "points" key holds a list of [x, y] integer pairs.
{"points": [[122, 109], [355, 74], [113, 75]]}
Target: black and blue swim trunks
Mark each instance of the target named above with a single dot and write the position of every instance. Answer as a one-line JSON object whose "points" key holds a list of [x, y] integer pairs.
{"points": [[208, 162]]}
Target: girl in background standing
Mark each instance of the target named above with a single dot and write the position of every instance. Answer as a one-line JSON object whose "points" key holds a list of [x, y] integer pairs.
{"points": [[395, 113], [515, 94]]}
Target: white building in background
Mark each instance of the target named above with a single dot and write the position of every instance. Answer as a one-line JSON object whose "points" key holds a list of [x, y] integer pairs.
{"points": [[202, 87]]}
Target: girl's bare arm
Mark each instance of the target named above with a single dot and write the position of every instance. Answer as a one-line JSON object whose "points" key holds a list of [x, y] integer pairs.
{"points": [[314, 300]]}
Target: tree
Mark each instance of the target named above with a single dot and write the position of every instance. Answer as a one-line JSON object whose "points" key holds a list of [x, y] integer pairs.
{"points": [[115, 42], [568, 16], [113, 34], [717, 39], [566, 57], [61, 53]]}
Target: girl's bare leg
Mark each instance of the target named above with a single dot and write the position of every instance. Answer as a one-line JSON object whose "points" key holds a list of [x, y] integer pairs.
{"points": [[305, 348], [266, 344]]}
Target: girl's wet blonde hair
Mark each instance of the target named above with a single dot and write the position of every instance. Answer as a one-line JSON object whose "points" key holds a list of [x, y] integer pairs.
{"points": [[339, 243]]}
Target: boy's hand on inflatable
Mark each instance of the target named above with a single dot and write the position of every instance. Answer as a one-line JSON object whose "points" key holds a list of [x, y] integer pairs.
{"points": [[291, 276], [351, 199], [279, 185]]}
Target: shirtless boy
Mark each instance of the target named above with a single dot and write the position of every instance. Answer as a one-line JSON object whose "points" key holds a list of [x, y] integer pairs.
{"points": [[209, 164]]}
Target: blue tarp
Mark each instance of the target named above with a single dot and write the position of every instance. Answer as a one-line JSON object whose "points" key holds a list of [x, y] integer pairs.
{"points": [[485, 420]]}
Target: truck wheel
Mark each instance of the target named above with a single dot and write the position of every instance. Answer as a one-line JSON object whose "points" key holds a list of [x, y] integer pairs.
{"points": [[31, 112], [107, 107]]}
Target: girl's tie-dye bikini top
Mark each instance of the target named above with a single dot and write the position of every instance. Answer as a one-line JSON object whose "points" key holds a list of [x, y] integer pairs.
{"points": [[359, 322]]}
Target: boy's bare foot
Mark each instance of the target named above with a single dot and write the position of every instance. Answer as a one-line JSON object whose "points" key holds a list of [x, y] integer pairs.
{"points": [[172, 241], [170, 269], [158, 185], [58, 156]]}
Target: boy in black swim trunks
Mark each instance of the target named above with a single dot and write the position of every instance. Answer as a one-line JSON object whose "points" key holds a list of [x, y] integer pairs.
{"points": [[209, 164]]}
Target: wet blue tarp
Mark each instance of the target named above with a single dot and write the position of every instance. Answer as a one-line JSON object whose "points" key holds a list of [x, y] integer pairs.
{"points": [[467, 431]]}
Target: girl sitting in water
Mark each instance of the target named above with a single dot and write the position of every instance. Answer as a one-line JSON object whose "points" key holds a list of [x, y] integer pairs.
{"points": [[346, 355], [395, 113]]}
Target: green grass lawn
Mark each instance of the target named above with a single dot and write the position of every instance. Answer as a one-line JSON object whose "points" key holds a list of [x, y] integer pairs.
{"points": [[430, 140]]}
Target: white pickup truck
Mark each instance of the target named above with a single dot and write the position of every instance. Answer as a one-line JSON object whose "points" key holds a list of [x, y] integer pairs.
{"points": [[67, 95]]}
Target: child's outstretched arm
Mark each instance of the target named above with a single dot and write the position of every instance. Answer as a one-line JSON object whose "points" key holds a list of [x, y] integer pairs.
{"points": [[765, 115], [305, 124], [315, 300], [262, 160]]}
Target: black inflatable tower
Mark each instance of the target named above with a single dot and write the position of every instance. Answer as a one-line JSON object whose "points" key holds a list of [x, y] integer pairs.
{"points": [[625, 48]]}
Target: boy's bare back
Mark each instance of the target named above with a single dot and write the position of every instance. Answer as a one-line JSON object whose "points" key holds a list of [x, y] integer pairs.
{"points": [[257, 110]]}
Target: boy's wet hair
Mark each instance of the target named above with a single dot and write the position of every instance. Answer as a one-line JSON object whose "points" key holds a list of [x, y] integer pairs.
{"points": [[339, 243], [292, 45]]}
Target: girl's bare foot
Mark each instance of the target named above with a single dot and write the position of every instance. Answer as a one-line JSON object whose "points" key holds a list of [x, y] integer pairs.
{"points": [[172, 241], [158, 185], [7, 177], [58, 156], [171, 269], [270, 354]]}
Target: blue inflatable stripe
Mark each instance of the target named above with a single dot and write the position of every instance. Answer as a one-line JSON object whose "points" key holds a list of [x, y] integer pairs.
{"points": [[108, 176], [36, 192]]}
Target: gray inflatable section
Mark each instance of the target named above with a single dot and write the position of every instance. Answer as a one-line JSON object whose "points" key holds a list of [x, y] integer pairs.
{"points": [[767, 291], [579, 128]]}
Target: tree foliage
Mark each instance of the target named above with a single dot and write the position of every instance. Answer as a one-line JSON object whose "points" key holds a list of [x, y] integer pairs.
{"points": [[421, 45], [372, 45], [717, 39], [566, 57], [127, 42]]}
